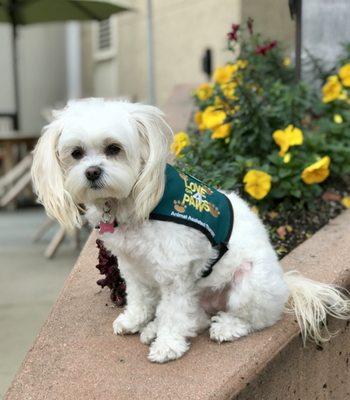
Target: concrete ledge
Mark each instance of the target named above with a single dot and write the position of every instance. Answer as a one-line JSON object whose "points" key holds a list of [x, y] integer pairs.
{"points": [[76, 355], [179, 106]]}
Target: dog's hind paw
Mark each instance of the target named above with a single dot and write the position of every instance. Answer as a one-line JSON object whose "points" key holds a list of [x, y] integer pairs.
{"points": [[226, 328], [166, 349]]}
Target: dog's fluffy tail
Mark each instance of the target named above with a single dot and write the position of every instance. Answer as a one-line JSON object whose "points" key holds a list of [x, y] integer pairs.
{"points": [[312, 301]]}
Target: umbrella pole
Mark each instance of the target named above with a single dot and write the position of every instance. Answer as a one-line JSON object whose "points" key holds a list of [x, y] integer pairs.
{"points": [[15, 74]]}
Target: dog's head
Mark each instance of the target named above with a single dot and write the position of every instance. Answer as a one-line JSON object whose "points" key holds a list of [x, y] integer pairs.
{"points": [[96, 149]]}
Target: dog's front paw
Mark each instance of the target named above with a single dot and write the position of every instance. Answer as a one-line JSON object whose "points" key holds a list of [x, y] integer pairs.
{"points": [[149, 332], [166, 349], [124, 324]]}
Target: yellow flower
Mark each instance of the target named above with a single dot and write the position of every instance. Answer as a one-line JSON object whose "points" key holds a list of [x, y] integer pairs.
{"points": [[257, 183], [221, 132], [287, 158], [332, 89], [218, 102], [287, 61], [291, 136], [241, 64], [212, 117], [343, 95], [204, 91], [338, 119], [181, 140], [344, 74], [316, 172], [224, 74], [228, 90], [198, 119], [346, 201]]}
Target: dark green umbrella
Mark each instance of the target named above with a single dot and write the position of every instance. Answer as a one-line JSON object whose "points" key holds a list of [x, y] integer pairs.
{"points": [[25, 12]]}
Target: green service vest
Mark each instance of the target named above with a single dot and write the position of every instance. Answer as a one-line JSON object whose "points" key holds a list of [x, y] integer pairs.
{"points": [[188, 201]]}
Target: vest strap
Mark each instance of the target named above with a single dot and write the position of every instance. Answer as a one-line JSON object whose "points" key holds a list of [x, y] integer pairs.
{"points": [[222, 248]]}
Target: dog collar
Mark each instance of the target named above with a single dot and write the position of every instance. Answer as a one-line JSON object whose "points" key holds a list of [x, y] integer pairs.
{"points": [[106, 227], [109, 227], [107, 223]]}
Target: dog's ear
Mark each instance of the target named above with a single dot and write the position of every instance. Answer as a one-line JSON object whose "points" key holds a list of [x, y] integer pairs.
{"points": [[48, 179], [156, 136]]}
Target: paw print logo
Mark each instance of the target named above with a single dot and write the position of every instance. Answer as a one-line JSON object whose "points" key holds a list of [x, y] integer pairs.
{"points": [[180, 207], [183, 176], [214, 210], [208, 191]]}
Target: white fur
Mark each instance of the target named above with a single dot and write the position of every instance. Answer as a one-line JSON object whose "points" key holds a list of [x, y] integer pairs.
{"points": [[162, 261], [312, 302]]}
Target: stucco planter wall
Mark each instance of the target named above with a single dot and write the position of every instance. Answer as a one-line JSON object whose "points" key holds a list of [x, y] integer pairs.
{"points": [[77, 356]]}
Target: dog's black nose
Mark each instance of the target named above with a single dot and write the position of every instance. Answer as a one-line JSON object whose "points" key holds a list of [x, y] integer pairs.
{"points": [[93, 173]]}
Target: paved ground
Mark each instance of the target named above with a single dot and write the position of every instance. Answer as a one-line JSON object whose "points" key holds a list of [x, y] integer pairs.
{"points": [[29, 286]]}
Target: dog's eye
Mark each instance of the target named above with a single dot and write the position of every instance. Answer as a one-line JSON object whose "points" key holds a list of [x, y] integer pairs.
{"points": [[78, 153], [112, 150]]}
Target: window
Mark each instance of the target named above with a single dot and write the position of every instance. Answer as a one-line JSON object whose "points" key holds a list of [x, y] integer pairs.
{"points": [[105, 39], [104, 35]]}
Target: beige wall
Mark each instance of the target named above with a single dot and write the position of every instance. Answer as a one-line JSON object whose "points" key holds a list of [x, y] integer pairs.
{"points": [[6, 76], [42, 71], [132, 48], [99, 71], [86, 60], [272, 19], [183, 29]]}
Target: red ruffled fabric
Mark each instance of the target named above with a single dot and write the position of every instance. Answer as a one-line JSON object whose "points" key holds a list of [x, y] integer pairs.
{"points": [[108, 266]]}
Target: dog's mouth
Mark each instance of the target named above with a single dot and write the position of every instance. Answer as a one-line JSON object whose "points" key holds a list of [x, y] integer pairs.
{"points": [[97, 185]]}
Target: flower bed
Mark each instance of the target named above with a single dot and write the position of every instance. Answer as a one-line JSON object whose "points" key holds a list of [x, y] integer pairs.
{"points": [[283, 145]]}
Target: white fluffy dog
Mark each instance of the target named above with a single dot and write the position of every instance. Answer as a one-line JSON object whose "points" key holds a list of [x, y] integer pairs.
{"points": [[111, 157]]}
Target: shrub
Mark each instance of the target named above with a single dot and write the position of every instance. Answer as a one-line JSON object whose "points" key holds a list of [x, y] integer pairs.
{"points": [[259, 131]]}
